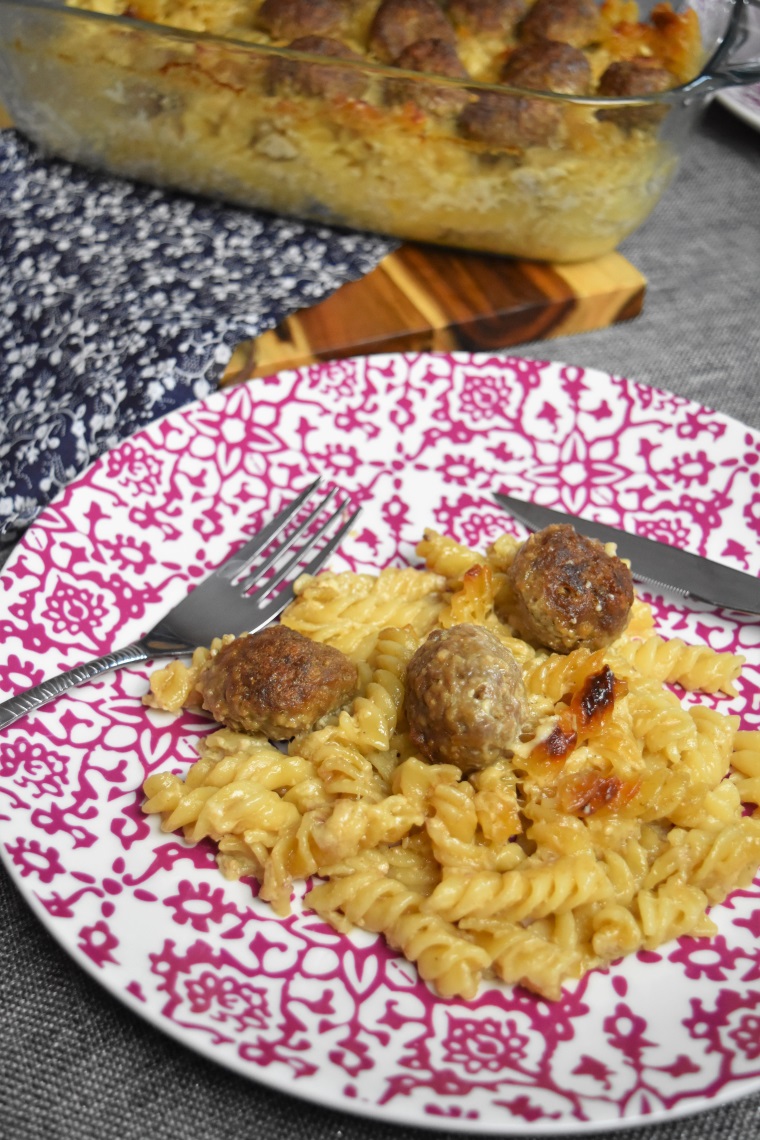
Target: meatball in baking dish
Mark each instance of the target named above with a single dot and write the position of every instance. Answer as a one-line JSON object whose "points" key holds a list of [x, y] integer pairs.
{"points": [[464, 697], [276, 681], [573, 22], [297, 77], [491, 17], [284, 19], [564, 591], [548, 67], [399, 23]]}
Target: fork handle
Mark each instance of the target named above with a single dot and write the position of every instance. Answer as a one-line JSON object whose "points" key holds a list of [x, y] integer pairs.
{"points": [[29, 699]]}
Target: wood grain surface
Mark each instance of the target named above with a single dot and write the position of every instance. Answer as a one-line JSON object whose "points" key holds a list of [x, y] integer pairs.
{"points": [[421, 298]]}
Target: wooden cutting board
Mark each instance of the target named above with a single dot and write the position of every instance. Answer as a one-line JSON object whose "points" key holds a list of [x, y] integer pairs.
{"points": [[422, 298]]}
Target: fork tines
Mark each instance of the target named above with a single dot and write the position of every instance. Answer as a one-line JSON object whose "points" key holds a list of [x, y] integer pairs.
{"points": [[286, 559]]}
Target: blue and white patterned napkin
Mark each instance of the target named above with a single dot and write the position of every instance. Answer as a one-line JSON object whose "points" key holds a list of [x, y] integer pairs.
{"points": [[119, 303]]}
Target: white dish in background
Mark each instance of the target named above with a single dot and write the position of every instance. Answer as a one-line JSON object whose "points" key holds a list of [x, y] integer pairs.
{"points": [[421, 440], [744, 102]]}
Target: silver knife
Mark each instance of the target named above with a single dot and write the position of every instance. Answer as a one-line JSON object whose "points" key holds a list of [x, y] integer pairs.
{"points": [[654, 562]]}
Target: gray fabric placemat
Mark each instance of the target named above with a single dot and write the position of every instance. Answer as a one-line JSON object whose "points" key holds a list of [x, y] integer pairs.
{"points": [[699, 332], [77, 1064]]}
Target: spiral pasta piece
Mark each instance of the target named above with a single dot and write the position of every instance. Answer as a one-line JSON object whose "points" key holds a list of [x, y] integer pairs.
{"points": [[673, 910], [227, 755], [555, 675], [454, 832], [163, 791], [349, 610], [173, 687], [730, 860], [627, 869], [523, 958], [451, 963], [660, 722], [709, 760], [745, 753], [526, 893], [241, 806], [374, 717], [473, 602], [443, 556], [340, 766], [713, 810], [745, 761], [694, 667], [417, 781], [495, 802], [616, 932]]}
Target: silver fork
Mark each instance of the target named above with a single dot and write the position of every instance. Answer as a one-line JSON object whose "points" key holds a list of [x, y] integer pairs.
{"points": [[222, 603]]}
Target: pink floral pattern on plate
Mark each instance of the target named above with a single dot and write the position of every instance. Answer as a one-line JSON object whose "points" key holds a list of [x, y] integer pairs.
{"points": [[419, 440]]}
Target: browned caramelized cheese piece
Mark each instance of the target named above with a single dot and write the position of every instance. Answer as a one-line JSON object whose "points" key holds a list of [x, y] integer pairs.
{"points": [[589, 710], [589, 792], [592, 705]]}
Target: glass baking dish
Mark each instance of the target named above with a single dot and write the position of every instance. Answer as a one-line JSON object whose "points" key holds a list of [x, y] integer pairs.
{"points": [[358, 144]]}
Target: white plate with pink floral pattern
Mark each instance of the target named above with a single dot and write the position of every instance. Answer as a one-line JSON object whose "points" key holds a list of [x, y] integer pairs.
{"points": [[420, 440]]}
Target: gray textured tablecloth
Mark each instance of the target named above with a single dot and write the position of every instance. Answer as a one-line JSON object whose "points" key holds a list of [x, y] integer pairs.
{"points": [[75, 1063]]}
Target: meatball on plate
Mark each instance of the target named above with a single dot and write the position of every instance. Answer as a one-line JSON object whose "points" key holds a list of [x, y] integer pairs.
{"points": [[276, 681], [565, 592], [464, 697]]}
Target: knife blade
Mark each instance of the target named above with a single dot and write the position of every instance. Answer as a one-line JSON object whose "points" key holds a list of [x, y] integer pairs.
{"points": [[652, 561]]}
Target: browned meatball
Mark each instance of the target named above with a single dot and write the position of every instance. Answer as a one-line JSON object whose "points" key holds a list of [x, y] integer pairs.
{"points": [[464, 697], [286, 19], [438, 58], [565, 592], [276, 681], [632, 77], [399, 23], [510, 121], [573, 22], [486, 17], [296, 77], [548, 67]]}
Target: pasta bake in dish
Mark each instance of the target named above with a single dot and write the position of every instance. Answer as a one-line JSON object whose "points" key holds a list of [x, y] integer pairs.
{"points": [[493, 807], [407, 117]]}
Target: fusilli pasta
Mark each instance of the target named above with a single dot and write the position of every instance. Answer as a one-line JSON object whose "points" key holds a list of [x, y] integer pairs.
{"points": [[595, 836]]}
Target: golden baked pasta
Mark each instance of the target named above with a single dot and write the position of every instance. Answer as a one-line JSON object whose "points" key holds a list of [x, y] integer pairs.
{"points": [[427, 155], [614, 821]]}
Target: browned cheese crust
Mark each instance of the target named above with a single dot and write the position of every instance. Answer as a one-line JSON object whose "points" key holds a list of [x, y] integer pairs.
{"points": [[464, 698], [277, 682], [565, 592]]}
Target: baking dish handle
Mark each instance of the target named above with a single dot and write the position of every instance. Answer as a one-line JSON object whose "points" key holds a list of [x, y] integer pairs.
{"points": [[736, 63]]}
